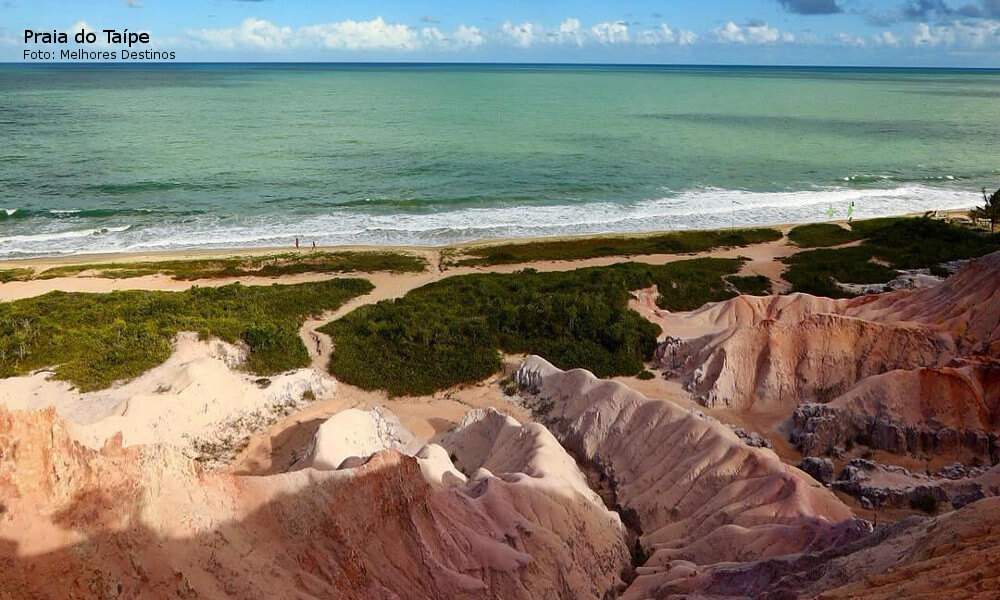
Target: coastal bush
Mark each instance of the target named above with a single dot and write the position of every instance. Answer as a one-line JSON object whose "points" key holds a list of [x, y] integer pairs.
{"points": [[452, 331], [8, 275], [889, 244], [753, 285], [821, 235], [922, 243], [94, 340], [265, 265], [645, 375], [817, 271], [677, 242]]}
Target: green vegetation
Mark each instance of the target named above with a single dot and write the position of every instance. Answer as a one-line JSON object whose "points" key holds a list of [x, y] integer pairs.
{"points": [[889, 244], [8, 275], [753, 285], [817, 271], [920, 243], [452, 331], [94, 340], [268, 265], [989, 212], [645, 375], [678, 242], [821, 235]]}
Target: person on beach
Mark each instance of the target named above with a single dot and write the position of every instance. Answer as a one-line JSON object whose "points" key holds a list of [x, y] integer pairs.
{"points": [[296, 243], [850, 212], [830, 212], [314, 244]]}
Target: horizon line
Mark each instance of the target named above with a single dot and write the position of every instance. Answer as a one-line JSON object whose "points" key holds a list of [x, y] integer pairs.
{"points": [[487, 63]]}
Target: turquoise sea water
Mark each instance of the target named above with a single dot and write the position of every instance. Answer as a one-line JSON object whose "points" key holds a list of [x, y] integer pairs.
{"points": [[122, 158]]}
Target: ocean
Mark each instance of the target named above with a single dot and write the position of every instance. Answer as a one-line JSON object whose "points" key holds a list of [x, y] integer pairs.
{"points": [[123, 158]]}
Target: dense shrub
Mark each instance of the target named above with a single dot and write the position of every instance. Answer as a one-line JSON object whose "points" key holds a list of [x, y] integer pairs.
{"points": [[93, 340], [263, 265], [452, 331], [902, 243], [821, 235], [817, 271], [677, 242], [753, 285], [19, 274], [924, 243]]}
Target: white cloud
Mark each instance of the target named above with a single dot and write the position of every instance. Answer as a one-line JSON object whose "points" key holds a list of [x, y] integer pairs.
{"points": [[754, 33], [664, 34], [252, 33], [134, 4], [610, 33], [885, 38], [363, 35], [568, 32], [377, 34], [262, 35], [685, 38], [466, 36], [433, 35], [520, 35], [963, 34], [846, 39]]}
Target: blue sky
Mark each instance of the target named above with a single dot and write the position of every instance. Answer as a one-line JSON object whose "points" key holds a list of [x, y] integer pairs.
{"points": [[820, 32]]}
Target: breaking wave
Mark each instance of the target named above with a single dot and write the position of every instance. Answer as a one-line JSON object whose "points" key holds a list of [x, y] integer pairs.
{"points": [[114, 230]]}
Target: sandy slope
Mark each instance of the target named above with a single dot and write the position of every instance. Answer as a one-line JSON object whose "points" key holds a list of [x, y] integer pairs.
{"points": [[910, 369], [722, 526], [696, 492], [198, 401], [145, 522]]}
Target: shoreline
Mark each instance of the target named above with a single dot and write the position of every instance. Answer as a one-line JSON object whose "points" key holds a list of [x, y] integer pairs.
{"points": [[209, 253]]}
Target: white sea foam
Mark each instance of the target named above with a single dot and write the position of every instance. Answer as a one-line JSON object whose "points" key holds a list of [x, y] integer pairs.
{"points": [[56, 236], [691, 209]]}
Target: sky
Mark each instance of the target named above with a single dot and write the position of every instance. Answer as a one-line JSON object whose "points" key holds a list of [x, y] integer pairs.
{"points": [[958, 33]]}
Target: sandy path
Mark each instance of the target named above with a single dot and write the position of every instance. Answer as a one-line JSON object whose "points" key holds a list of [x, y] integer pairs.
{"points": [[393, 285], [763, 261], [387, 286]]}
